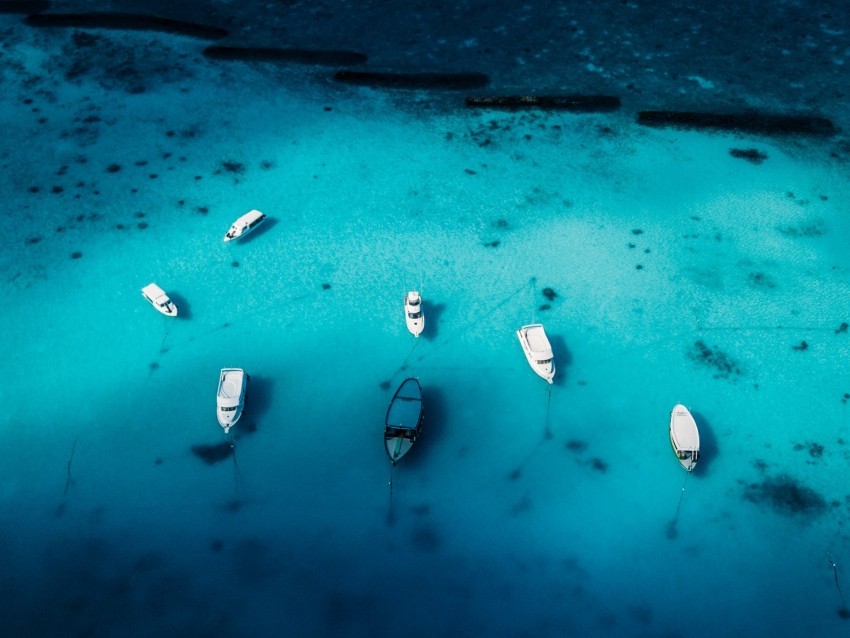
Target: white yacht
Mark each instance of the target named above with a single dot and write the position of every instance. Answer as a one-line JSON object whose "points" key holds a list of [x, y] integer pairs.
{"points": [[684, 436], [413, 313], [159, 300], [404, 419], [537, 350], [244, 225], [231, 396]]}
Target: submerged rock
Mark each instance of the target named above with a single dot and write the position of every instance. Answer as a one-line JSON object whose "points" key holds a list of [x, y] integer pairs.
{"points": [[212, 454], [786, 495]]}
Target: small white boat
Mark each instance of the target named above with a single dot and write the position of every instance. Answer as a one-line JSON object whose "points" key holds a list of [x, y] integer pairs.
{"points": [[404, 419], [537, 350], [244, 225], [231, 396], [684, 436], [413, 313], [159, 300]]}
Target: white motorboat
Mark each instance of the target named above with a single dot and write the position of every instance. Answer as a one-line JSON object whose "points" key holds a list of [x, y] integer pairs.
{"points": [[684, 436], [404, 419], [537, 350], [413, 313], [231, 396], [244, 225], [159, 300]]}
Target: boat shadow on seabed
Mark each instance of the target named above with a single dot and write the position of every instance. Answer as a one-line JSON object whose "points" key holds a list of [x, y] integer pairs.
{"points": [[563, 359], [707, 444]]}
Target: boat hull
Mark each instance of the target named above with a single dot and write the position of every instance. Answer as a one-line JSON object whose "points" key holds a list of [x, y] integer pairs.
{"points": [[684, 437], [230, 398], [404, 419], [537, 350], [158, 299], [244, 225], [413, 315]]}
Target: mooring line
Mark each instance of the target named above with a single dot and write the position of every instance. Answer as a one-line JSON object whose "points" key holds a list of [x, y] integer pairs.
{"points": [[409, 354], [390, 514], [236, 473], [835, 574], [70, 461], [459, 332], [681, 496]]}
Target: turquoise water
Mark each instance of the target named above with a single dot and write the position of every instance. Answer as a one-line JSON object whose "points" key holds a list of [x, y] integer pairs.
{"points": [[679, 273]]}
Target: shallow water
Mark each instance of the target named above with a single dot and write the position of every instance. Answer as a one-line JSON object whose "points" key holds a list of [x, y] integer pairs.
{"points": [[675, 273]]}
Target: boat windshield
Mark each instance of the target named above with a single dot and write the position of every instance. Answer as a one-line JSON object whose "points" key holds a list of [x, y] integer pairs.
{"points": [[228, 409], [414, 315], [545, 362]]}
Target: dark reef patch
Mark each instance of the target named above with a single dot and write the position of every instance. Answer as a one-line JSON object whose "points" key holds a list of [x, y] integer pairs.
{"points": [[760, 280], [425, 538], [815, 449], [384, 385], [747, 122], [125, 21], [573, 103], [326, 286], [297, 56], [426, 81], [802, 346], [814, 229], [234, 264], [599, 465], [113, 168], [233, 167], [842, 328], [492, 244], [550, 294], [574, 445], [212, 454], [76, 254], [787, 496], [30, 241], [23, 6], [752, 155], [723, 365]]}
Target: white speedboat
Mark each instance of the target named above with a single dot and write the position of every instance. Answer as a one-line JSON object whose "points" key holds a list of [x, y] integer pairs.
{"points": [[159, 300], [413, 313], [244, 225], [537, 350], [404, 419], [231, 396], [684, 436]]}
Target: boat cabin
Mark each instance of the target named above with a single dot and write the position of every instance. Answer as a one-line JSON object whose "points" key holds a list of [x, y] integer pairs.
{"points": [[158, 299], [245, 224]]}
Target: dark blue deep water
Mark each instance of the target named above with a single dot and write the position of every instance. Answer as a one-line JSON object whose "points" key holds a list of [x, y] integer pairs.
{"points": [[703, 263]]}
